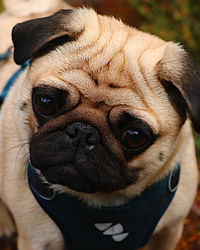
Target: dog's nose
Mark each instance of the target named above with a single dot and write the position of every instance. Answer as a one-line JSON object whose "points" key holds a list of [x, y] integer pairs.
{"points": [[84, 132]]}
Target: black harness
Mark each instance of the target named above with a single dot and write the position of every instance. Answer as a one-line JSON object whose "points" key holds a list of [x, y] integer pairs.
{"points": [[125, 227]]}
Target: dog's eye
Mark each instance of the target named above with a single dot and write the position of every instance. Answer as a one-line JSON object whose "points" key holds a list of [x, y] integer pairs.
{"points": [[134, 138], [46, 106], [48, 102]]}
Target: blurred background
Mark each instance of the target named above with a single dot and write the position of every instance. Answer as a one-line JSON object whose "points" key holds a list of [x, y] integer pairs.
{"points": [[177, 20]]}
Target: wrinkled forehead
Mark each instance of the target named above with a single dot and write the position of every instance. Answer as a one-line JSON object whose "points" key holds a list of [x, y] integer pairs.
{"points": [[106, 64], [108, 54]]}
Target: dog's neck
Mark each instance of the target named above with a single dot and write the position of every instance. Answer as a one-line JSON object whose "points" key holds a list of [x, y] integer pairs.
{"points": [[103, 199]]}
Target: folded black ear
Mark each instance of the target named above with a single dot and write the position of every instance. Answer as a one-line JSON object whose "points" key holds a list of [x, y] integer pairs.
{"points": [[177, 68], [33, 36]]}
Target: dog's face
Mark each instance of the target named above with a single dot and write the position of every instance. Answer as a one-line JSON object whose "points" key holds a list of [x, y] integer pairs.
{"points": [[102, 103]]}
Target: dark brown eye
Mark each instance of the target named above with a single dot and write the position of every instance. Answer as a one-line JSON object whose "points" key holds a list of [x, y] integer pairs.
{"points": [[45, 105], [134, 138]]}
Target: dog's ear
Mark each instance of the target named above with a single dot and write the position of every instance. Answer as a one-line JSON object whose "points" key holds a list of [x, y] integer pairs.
{"points": [[34, 36], [178, 69]]}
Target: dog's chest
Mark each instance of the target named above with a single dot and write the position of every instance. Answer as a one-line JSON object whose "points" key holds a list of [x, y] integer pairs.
{"points": [[126, 227]]}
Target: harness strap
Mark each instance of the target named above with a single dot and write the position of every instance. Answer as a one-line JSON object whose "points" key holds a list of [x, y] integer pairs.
{"points": [[6, 54]]}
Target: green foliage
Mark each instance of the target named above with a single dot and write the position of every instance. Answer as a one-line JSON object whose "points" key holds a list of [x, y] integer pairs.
{"points": [[1, 6], [177, 20], [197, 144]]}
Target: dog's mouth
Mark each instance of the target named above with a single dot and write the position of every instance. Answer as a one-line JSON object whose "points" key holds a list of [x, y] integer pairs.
{"points": [[88, 176], [79, 161], [71, 177]]}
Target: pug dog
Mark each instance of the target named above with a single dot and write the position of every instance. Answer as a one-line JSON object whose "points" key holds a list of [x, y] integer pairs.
{"points": [[102, 118]]}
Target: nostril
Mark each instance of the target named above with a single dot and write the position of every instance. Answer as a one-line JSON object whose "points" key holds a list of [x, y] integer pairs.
{"points": [[72, 131], [93, 139], [86, 134]]}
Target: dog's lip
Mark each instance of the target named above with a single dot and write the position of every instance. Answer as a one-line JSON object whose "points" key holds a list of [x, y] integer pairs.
{"points": [[79, 179], [68, 176]]}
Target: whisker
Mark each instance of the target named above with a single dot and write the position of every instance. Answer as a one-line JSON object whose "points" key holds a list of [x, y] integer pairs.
{"points": [[123, 190], [22, 146], [12, 148]]}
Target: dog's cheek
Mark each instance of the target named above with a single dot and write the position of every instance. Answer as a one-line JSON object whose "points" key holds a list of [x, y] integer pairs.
{"points": [[153, 160], [25, 120]]}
